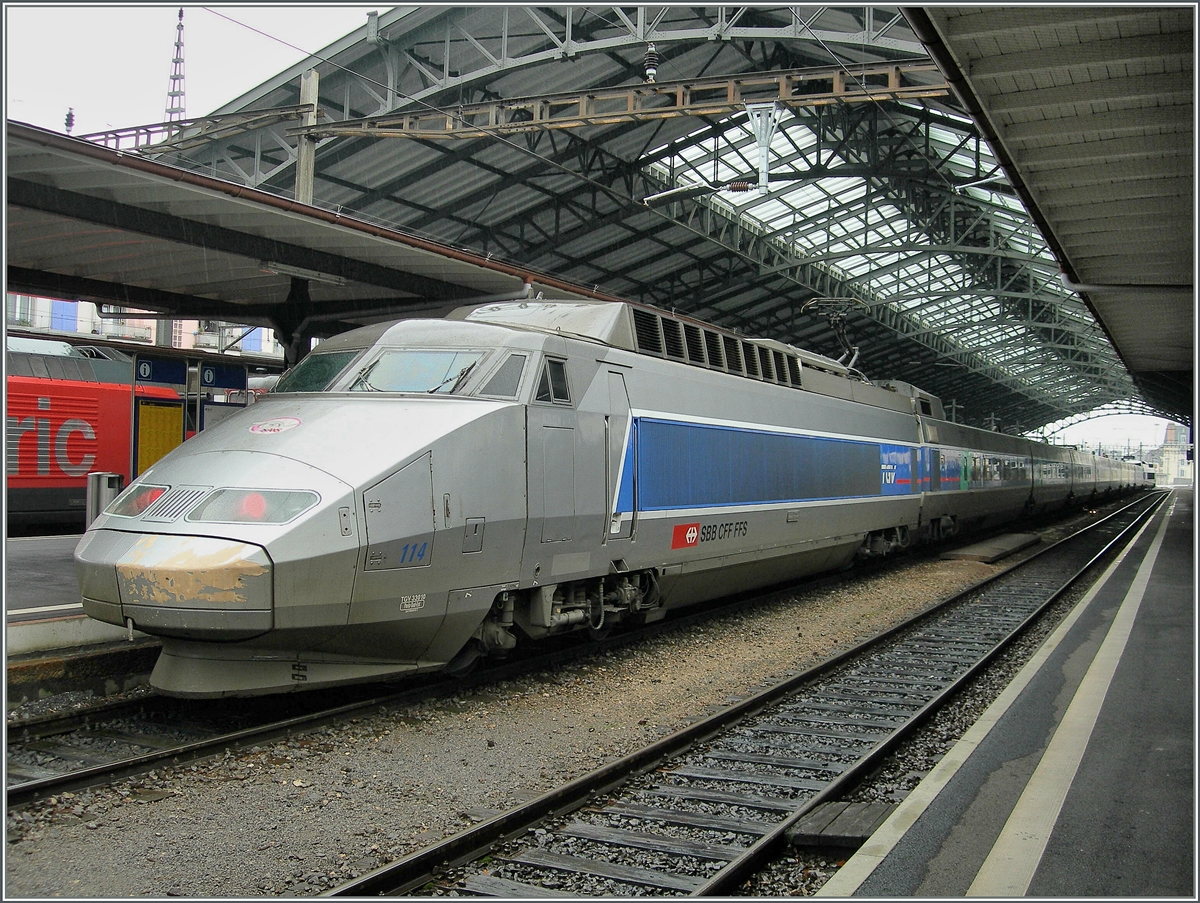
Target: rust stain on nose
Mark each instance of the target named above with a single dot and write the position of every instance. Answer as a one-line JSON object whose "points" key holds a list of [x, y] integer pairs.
{"points": [[190, 571]]}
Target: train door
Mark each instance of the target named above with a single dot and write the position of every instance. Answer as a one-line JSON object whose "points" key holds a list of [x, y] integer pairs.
{"points": [[550, 435], [619, 460]]}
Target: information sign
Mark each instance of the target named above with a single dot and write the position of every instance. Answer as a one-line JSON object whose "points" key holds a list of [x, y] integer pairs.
{"points": [[221, 376], [161, 370]]}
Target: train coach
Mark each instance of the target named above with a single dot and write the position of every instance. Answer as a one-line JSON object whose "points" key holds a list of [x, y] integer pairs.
{"points": [[416, 494]]}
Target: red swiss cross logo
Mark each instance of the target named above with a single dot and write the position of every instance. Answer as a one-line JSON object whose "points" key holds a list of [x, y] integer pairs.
{"points": [[685, 536]]}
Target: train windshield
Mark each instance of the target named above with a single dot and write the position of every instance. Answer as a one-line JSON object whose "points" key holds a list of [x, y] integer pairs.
{"points": [[316, 372], [410, 370]]}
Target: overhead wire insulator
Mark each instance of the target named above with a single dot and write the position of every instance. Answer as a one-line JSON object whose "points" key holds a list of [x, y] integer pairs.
{"points": [[650, 62]]}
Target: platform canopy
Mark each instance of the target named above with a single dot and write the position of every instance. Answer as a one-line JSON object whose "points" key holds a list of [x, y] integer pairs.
{"points": [[789, 172]]}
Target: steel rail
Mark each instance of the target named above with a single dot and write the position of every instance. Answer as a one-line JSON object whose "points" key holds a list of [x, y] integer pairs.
{"points": [[48, 725], [31, 791]]}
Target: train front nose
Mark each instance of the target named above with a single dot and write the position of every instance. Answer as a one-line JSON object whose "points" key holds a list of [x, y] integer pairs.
{"points": [[177, 585], [190, 560]]}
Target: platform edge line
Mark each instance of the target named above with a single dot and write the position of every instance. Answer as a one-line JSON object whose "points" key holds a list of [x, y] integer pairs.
{"points": [[863, 863], [1017, 853]]}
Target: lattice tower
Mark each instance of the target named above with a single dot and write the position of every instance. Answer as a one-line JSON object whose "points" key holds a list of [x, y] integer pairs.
{"points": [[175, 105]]}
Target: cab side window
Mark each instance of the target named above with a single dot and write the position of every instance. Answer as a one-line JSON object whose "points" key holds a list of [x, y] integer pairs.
{"points": [[507, 379], [552, 384]]}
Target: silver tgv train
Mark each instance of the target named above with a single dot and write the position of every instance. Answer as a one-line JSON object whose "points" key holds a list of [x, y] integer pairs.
{"points": [[415, 494]]}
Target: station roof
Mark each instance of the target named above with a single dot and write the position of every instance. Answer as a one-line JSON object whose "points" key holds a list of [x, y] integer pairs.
{"points": [[1091, 113], [463, 151]]}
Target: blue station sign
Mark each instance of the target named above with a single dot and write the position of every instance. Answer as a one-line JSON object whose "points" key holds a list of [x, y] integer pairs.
{"points": [[161, 370], [221, 376]]}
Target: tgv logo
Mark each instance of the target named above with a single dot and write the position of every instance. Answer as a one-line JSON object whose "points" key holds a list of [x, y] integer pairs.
{"points": [[43, 427]]}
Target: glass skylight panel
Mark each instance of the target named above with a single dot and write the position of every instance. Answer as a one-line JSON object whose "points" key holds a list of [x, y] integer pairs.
{"points": [[855, 266], [804, 195], [765, 210], [849, 226], [886, 261]]}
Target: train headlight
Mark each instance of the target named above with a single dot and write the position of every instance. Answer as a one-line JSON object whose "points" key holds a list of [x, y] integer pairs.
{"points": [[135, 500], [253, 506]]}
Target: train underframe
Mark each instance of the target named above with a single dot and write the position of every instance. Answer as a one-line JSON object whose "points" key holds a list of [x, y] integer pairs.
{"points": [[597, 604]]}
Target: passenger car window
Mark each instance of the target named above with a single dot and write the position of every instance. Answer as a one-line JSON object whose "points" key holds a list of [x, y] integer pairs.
{"points": [[410, 370], [552, 384]]}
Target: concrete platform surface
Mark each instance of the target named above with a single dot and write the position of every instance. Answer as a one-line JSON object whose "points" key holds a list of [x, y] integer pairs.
{"points": [[1079, 779]]}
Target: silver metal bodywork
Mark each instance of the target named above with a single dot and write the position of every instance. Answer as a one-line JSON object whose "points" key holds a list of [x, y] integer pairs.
{"points": [[444, 525]]}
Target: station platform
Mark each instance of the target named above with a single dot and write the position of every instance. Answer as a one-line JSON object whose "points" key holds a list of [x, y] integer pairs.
{"points": [[50, 644], [1079, 779], [41, 599]]}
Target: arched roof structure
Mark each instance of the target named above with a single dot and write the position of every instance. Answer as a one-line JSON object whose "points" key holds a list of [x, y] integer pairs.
{"points": [[779, 155]]}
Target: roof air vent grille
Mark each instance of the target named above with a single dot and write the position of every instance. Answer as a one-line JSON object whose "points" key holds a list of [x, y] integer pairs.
{"points": [[645, 325], [673, 334], [733, 353], [695, 344], [712, 342], [750, 356], [764, 358]]}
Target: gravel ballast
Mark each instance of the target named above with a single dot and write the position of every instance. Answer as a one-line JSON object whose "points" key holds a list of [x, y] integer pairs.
{"points": [[299, 816]]}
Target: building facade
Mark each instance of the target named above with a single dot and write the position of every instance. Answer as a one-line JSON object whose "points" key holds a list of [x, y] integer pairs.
{"points": [[83, 318]]}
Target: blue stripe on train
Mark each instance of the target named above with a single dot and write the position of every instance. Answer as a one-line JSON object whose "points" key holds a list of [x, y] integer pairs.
{"points": [[692, 465]]}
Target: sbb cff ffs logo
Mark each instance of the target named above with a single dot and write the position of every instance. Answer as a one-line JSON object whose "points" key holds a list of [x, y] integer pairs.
{"points": [[685, 536]]}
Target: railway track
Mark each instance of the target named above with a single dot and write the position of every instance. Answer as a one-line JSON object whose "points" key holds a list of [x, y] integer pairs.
{"points": [[701, 811], [101, 744], [51, 754], [105, 742], [48, 756]]}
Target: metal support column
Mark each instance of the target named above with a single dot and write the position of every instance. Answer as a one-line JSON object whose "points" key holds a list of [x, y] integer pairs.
{"points": [[306, 149]]}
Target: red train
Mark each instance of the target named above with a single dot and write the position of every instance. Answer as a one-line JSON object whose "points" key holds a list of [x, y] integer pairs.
{"points": [[68, 412], [71, 410]]}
